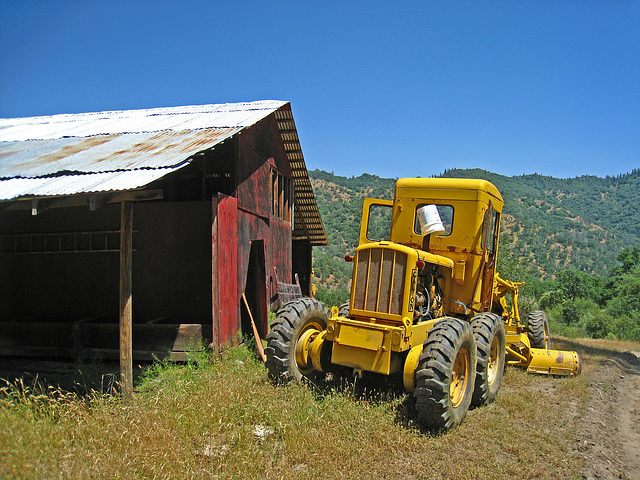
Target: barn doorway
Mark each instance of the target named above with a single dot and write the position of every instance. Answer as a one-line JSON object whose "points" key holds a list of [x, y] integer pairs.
{"points": [[256, 292]]}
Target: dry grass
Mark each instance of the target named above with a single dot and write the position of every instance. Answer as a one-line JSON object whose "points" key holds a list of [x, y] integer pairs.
{"points": [[225, 420]]}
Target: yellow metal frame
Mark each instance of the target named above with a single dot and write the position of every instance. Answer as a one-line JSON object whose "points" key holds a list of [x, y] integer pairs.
{"points": [[502, 288], [470, 200], [364, 223], [371, 346]]}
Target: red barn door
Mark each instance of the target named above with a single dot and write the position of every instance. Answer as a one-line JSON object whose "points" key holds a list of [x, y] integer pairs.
{"points": [[225, 271]]}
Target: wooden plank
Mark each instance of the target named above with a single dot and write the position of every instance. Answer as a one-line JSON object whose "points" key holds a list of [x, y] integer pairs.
{"points": [[160, 341], [287, 291], [45, 203], [126, 343], [37, 351], [158, 320], [138, 355], [36, 334], [255, 331], [228, 298], [188, 338], [148, 336], [101, 339], [215, 309], [77, 335]]}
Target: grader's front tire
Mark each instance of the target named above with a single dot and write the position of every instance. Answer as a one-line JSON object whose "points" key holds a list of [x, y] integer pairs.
{"points": [[539, 330], [489, 334], [297, 324], [445, 374]]}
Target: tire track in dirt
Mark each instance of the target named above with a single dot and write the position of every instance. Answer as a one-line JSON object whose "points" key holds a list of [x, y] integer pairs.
{"points": [[609, 432]]}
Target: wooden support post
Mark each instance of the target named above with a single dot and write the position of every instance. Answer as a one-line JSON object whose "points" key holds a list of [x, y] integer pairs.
{"points": [[126, 347]]}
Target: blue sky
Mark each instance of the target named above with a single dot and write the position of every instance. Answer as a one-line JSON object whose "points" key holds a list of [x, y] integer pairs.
{"points": [[396, 89]]}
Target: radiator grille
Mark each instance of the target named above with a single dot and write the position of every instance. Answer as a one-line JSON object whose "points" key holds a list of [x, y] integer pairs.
{"points": [[380, 279]]}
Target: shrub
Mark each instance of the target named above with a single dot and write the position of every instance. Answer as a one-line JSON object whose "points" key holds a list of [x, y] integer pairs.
{"points": [[333, 298], [599, 325]]}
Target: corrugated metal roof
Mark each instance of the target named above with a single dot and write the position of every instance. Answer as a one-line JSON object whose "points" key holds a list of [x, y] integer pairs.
{"points": [[194, 117], [87, 183], [123, 140], [106, 153], [73, 154]]}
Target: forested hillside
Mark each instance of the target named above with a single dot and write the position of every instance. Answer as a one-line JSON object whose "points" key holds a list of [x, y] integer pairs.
{"points": [[554, 232], [566, 224], [554, 224], [340, 203]]}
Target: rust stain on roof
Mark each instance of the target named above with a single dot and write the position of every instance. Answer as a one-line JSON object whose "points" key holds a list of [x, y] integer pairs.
{"points": [[68, 150]]}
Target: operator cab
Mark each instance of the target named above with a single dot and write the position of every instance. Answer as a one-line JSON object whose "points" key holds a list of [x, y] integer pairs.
{"points": [[469, 212]]}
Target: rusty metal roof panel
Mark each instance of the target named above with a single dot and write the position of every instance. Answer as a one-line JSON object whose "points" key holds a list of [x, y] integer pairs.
{"points": [[120, 140], [103, 153], [74, 184]]}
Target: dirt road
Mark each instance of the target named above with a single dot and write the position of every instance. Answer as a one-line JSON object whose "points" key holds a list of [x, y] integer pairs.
{"points": [[609, 432]]}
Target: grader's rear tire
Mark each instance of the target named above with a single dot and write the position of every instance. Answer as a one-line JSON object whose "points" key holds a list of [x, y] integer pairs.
{"points": [[296, 325], [343, 310], [489, 334], [445, 374], [539, 330]]}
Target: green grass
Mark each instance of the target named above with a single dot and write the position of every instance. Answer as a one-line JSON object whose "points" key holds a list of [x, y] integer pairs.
{"points": [[224, 419]]}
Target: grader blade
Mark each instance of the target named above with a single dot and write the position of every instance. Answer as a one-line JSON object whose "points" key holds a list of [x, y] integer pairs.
{"points": [[554, 362]]}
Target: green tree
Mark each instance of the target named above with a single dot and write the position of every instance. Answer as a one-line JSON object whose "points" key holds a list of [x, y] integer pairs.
{"points": [[573, 284], [630, 258]]}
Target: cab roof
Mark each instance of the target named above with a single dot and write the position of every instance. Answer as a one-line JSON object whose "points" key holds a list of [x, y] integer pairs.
{"points": [[449, 184]]}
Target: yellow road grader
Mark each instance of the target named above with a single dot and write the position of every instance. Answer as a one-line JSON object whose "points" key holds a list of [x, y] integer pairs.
{"points": [[426, 304]]}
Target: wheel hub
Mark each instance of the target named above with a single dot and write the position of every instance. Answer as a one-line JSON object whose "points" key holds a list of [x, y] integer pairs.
{"points": [[308, 335], [459, 377], [493, 362]]}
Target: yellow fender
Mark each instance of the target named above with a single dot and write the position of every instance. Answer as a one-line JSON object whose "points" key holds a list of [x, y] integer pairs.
{"points": [[410, 365]]}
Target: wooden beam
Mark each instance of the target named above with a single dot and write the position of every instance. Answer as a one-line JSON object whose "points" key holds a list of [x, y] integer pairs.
{"points": [[126, 344], [94, 200], [138, 196], [92, 336], [39, 205], [97, 200]]}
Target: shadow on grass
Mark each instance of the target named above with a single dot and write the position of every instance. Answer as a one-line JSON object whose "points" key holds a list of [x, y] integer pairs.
{"points": [[584, 350], [80, 378], [91, 375], [374, 389]]}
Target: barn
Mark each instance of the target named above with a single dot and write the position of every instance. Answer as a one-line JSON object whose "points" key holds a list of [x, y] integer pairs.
{"points": [[164, 218]]}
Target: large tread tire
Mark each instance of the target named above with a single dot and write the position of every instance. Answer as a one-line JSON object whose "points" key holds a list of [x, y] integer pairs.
{"points": [[539, 330], [291, 321], [443, 394], [343, 310], [490, 337]]}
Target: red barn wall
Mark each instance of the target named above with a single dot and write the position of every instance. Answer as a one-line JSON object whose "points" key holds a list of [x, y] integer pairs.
{"points": [[260, 150]]}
